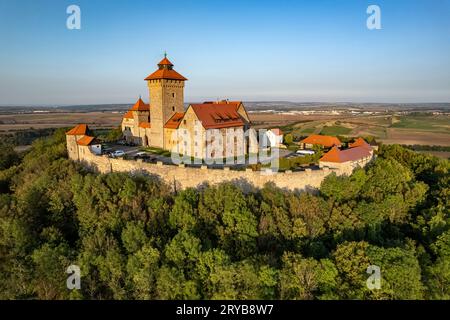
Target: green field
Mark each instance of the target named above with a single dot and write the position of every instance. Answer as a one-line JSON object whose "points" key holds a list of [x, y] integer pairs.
{"points": [[427, 123], [308, 130], [335, 130], [420, 129]]}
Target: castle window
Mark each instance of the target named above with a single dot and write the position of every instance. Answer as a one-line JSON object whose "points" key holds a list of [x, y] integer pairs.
{"points": [[184, 121], [173, 95], [173, 108]]}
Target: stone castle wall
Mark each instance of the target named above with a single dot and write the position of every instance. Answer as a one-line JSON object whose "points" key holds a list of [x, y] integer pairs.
{"points": [[180, 177]]}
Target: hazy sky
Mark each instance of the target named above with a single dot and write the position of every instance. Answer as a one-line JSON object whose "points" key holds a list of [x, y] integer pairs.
{"points": [[246, 50]]}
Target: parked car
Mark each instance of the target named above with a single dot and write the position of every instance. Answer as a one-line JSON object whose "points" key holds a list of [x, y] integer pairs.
{"points": [[305, 152], [117, 153], [142, 155]]}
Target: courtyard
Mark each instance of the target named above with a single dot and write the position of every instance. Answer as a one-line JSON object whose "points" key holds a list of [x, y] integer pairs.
{"points": [[153, 155]]}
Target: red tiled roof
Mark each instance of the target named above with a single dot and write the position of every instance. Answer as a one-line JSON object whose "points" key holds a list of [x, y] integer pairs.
{"points": [[165, 74], [145, 125], [217, 115], [360, 142], [87, 141], [277, 131], [165, 71], [166, 62], [78, 130], [326, 141], [174, 121], [128, 115], [340, 156], [140, 106], [235, 103]]}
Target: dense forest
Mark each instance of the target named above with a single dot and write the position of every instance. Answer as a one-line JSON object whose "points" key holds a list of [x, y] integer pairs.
{"points": [[133, 238], [25, 137]]}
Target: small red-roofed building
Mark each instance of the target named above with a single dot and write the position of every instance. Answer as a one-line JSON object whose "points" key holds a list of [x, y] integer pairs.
{"points": [[136, 124], [80, 142], [171, 136], [316, 139], [359, 154], [360, 142]]}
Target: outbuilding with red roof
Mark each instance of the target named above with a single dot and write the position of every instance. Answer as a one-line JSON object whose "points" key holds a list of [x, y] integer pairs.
{"points": [[321, 140], [358, 155]]}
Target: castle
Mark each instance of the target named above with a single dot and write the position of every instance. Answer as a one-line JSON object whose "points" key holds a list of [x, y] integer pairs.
{"points": [[207, 130]]}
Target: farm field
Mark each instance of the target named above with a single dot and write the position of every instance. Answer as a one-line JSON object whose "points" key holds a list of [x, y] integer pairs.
{"points": [[402, 129], [96, 120], [412, 136], [407, 129], [335, 130], [426, 123]]}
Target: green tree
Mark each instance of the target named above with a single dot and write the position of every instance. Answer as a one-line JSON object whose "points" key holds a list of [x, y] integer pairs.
{"points": [[50, 263], [438, 273], [400, 273], [288, 139], [226, 211], [172, 284], [351, 261], [142, 268], [306, 278], [8, 157]]}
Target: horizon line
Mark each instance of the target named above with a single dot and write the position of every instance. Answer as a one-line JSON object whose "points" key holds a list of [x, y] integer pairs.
{"points": [[244, 101]]}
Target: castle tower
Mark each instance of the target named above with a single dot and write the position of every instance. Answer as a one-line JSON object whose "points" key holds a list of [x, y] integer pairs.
{"points": [[166, 87], [141, 112]]}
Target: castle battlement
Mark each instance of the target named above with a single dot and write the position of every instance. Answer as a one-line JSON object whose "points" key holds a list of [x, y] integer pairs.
{"points": [[182, 177]]}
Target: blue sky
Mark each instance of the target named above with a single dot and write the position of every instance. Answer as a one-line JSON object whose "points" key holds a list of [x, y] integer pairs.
{"points": [[246, 50]]}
